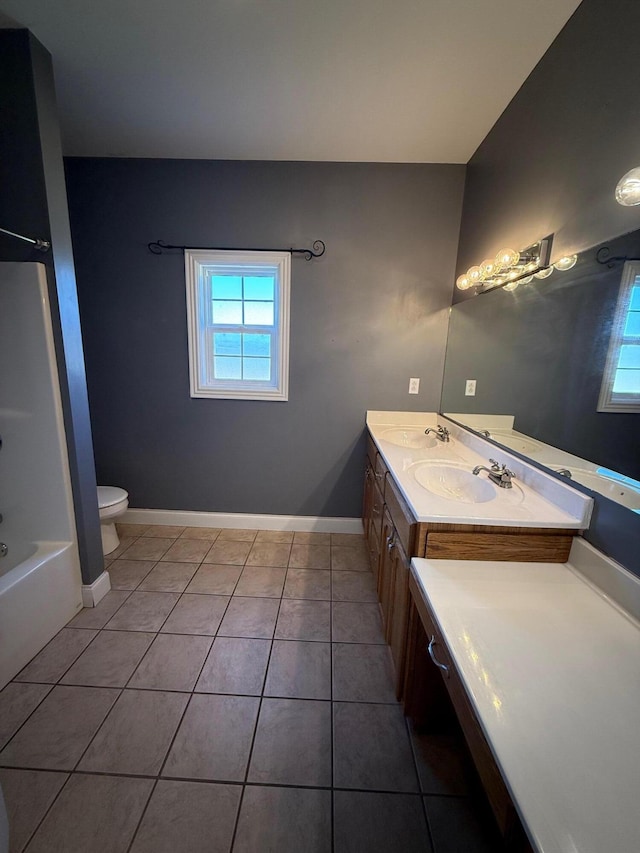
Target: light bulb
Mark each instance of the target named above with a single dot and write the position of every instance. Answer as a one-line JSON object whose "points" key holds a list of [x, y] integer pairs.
{"points": [[566, 263], [545, 273], [513, 274], [511, 286], [507, 258], [488, 268], [463, 283], [628, 189], [474, 274]]}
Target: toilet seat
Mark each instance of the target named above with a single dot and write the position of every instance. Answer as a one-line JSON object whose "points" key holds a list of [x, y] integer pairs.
{"points": [[108, 496], [112, 503]]}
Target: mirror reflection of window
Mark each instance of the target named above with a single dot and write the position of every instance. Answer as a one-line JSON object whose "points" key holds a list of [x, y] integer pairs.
{"points": [[620, 391]]}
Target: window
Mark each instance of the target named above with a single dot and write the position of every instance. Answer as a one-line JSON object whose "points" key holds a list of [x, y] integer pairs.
{"points": [[620, 390], [238, 323]]}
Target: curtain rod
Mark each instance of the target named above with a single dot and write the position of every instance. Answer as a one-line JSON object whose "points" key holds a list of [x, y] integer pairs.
{"points": [[316, 251], [42, 245]]}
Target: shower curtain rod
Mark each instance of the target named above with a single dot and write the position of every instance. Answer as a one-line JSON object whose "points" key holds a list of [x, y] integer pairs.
{"points": [[42, 245], [316, 251]]}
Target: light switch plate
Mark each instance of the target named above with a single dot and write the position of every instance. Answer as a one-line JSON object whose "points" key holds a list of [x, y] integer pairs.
{"points": [[414, 386], [470, 388]]}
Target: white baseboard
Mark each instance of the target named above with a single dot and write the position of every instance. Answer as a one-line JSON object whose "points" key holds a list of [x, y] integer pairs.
{"points": [[93, 593], [245, 521]]}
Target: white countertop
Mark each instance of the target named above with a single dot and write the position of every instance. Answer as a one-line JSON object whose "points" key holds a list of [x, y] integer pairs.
{"points": [[552, 669], [536, 499]]}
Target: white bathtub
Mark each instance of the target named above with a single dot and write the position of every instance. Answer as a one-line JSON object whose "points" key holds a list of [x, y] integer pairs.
{"points": [[38, 596], [40, 582]]}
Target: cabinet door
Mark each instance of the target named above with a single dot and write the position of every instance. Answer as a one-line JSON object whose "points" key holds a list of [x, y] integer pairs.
{"points": [[367, 500], [399, 622], [387, 545]]}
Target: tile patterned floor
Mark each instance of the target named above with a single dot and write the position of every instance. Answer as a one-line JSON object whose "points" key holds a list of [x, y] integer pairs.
{"points": [[232, 692]]}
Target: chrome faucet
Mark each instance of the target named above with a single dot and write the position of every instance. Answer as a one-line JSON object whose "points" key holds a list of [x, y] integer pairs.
{"points": [[565, 472], [498, 474], [442, 433]]}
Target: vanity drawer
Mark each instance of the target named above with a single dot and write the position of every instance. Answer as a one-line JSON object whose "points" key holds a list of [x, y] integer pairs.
{"points": [[403, 520], [377, 510], [531, 548], [380, 472]]}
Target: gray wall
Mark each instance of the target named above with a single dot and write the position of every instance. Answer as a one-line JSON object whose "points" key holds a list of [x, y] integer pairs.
{"points": [[364, 318], [551, 164], [553, 159], [33, 202]]}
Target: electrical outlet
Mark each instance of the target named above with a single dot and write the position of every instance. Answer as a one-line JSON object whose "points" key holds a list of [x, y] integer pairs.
{"points": [[414, 386], [470, 388]]}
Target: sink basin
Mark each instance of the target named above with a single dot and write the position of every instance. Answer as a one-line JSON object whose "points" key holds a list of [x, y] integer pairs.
{"points": [[409, 437], [454, 483]]}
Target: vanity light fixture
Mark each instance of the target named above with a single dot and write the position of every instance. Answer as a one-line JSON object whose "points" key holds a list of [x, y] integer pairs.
{"points": [[507, 268], [488, 267], [475, 275], [628, 189]]}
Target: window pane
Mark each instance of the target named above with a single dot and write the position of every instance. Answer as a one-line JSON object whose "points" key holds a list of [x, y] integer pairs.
{"points": [[227, 368], [227, 313], [256, 368], [632, 326], [627, 382], [629, 356], [226, 287], [260, 345], [634, 305], [260, 287], [226, 343], [258, 313]]}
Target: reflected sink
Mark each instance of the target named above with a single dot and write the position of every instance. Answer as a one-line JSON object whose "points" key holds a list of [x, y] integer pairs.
{"points": [[617, 490], [515, 442], [454, 483], [409, 437]]}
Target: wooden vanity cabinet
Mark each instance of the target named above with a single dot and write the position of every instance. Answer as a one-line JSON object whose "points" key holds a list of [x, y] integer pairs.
{"points": [[385, 571], [399, 618]]}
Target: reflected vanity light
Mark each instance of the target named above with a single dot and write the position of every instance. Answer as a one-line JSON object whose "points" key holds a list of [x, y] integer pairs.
{"points": [[508, 268], [566, 263], [628, 189], [545, 273]]}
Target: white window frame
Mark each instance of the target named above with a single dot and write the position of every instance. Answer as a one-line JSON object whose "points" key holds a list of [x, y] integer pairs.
{"points": [[610, 401], [199, 266]]}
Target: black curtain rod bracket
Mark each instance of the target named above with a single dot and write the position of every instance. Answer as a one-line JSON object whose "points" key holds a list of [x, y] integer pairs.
{"points": [[37, 243], [317, 250], [604, 257]]}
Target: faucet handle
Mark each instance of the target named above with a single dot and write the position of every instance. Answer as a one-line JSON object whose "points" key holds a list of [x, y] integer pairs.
{"points": [[496, 465]]}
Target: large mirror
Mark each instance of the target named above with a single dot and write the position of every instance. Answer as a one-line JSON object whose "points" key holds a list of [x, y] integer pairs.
{"points": [[538, 355]]}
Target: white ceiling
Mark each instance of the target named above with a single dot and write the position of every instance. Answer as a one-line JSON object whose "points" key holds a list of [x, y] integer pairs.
{"points": [[342, 80]]}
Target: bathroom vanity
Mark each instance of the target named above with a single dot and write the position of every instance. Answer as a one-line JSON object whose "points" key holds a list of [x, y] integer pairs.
{"points": [[498, 613], [421, 500]]}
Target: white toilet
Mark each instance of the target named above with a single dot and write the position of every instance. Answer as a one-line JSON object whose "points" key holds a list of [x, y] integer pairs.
{"points": [[112, 502]]}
